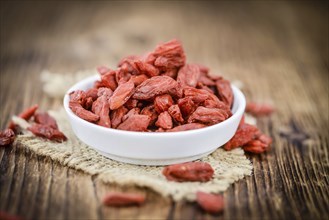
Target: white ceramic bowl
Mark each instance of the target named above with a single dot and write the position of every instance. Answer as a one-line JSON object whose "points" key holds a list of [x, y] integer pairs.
{"points": [[148, 148]]}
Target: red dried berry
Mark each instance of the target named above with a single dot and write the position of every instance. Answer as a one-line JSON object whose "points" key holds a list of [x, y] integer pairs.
{"points": [[123, 199], [169, 55], [135, 123], [188, 75], [101, 107], [163, 102], [187, 127], [133, 111], [164, 120], [7, 137], [26, 115], [208, 116], [45, 119], [47, 132], [109, 80], [175, 113], [243, 135], [117, 115], [154, 86], [191, 171], [121, 95], [83, 113], [211, 203], [225, 91]]}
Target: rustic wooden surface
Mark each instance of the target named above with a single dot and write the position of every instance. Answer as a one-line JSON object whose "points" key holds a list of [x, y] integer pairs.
{"points": [[279, 50]]}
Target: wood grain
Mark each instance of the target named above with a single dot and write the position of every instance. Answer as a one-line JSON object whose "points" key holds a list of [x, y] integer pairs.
{"points": [[279, 50]]}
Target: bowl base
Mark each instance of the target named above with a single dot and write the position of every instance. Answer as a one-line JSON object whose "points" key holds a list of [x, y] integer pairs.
{"points": [[158, 162]]}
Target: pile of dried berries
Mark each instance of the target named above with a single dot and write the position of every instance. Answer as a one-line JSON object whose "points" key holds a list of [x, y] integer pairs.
{"points": [[44, 126], [157, 91]]}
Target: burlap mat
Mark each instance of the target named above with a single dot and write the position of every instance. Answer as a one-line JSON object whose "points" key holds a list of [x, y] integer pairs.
{"points": [[229, 166]]}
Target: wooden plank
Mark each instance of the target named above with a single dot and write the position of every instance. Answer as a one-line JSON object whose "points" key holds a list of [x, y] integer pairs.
{"points": [[58, 202], [42, 200], [80, 187], [17, 164]]}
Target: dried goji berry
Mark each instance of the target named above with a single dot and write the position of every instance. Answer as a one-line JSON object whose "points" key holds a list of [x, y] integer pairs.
{"points": [[204, 79], [133, 111], [243, 135], [127, 66], [164, 120], [108, 80], [207, 88], [197, 95], [47, 132], [131, 103], [186, 106], [150, 111], [211, 203], [171, 73], [175, 113], [208, 116], [78, 96], [138, 79], [225, 91], [121, 95], [122, 75], [26, 115], [258, 145], [154, 86], [169, 55], [107, 92], [7, 137], [188, 75], [123, 199], [45, 119], [190, 171], [255, 146], [163, 102], [101, 107], [83, 113], [116, 116], [135, 123], [99, 84], [92, 92], [88, 103], [146, 68]]}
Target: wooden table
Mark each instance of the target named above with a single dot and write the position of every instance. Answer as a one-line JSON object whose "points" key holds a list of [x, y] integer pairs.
{"points": [[279, 50]]}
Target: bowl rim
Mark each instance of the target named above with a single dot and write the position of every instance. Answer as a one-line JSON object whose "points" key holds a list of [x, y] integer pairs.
{"points": [[241, 104]]}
